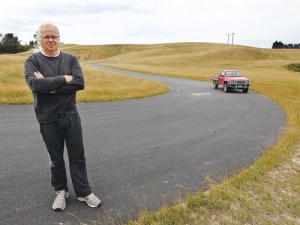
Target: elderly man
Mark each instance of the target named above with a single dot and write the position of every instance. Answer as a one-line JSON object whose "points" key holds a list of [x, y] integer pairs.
{"points": [[54, 78]]}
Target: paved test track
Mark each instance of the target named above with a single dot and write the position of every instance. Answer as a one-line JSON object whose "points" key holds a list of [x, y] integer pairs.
{"points": [[139, 152]]}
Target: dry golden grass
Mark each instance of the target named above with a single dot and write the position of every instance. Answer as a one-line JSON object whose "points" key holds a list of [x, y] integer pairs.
{"points": [[13, 89], [99, 85], [102, 86]]}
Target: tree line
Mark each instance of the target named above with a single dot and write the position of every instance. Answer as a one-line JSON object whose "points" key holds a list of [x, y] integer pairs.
{"points": [[279, 44], [9, 43]]}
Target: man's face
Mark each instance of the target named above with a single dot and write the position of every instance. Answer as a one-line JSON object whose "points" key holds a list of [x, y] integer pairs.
{"points": [[50, 40]]}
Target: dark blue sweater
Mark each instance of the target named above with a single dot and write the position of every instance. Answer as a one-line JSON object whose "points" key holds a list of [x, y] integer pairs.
{"points": [[50, 107]]}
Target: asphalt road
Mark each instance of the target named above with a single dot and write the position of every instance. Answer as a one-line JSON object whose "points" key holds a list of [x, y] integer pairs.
{"points": [[140, 153]]}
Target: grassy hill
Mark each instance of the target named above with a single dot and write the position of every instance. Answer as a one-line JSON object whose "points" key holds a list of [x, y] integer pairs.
{"points": [[266, 193]]}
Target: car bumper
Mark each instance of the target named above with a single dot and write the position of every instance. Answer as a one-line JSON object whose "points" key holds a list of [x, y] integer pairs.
{"points": [[238, 86]]}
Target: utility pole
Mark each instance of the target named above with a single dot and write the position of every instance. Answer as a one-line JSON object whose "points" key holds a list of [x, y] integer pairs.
{"points": [[232, 35], [228, 39]]}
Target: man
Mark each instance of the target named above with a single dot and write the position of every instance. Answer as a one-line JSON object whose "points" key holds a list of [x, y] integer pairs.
{"points": [[54, 77]]}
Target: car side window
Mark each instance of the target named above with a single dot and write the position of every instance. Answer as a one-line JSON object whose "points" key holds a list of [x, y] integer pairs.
{"points": [[223, 73]]}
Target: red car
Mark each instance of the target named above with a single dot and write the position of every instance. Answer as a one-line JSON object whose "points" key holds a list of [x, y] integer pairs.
{"points": [[231, 79]]}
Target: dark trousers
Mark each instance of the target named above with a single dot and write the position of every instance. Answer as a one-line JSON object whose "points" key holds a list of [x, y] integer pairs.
{"points": [[67, 130]]}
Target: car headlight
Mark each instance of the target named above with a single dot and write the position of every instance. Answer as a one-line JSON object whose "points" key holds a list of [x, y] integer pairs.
{"points": [[232, 81]]}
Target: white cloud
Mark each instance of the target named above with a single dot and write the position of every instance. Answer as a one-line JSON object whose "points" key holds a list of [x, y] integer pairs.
{"points": [[255, 23]]}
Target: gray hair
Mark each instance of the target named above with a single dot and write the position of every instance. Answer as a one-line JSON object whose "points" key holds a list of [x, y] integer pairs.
{"points": [[42, 27]]}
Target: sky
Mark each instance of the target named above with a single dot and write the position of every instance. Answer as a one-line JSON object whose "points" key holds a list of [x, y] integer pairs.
{"points": [[255, 23]]}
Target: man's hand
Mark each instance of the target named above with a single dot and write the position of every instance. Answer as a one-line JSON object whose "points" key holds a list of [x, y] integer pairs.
{"points": [[69, 78], [38, 74]]}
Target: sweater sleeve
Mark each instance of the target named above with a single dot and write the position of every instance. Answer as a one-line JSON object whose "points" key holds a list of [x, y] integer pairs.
{"points": [[40, 85], [78, 80]]}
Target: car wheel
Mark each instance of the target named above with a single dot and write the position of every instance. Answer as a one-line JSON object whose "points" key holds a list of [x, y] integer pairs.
{"points": [[226, 88], [245, 90], [215, 85]]}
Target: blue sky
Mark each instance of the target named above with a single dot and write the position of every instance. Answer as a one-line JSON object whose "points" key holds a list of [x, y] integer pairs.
{"points": [[256, 23]]}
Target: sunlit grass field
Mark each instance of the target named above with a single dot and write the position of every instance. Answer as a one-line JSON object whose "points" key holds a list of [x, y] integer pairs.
{"points": [[100, 85], [266, 193]]}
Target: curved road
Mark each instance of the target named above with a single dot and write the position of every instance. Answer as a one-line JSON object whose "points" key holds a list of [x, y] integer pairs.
{"points": [[140, 153]]}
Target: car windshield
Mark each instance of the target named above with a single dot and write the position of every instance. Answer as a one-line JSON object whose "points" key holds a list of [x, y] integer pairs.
{"points": [[233, 74]]}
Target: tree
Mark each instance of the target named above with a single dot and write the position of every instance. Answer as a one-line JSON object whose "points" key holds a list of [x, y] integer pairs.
{"points": [[10, 44], [10, 39], [297, 46], [35, 35], [277, 44], [31, 43], [35, 42]]}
